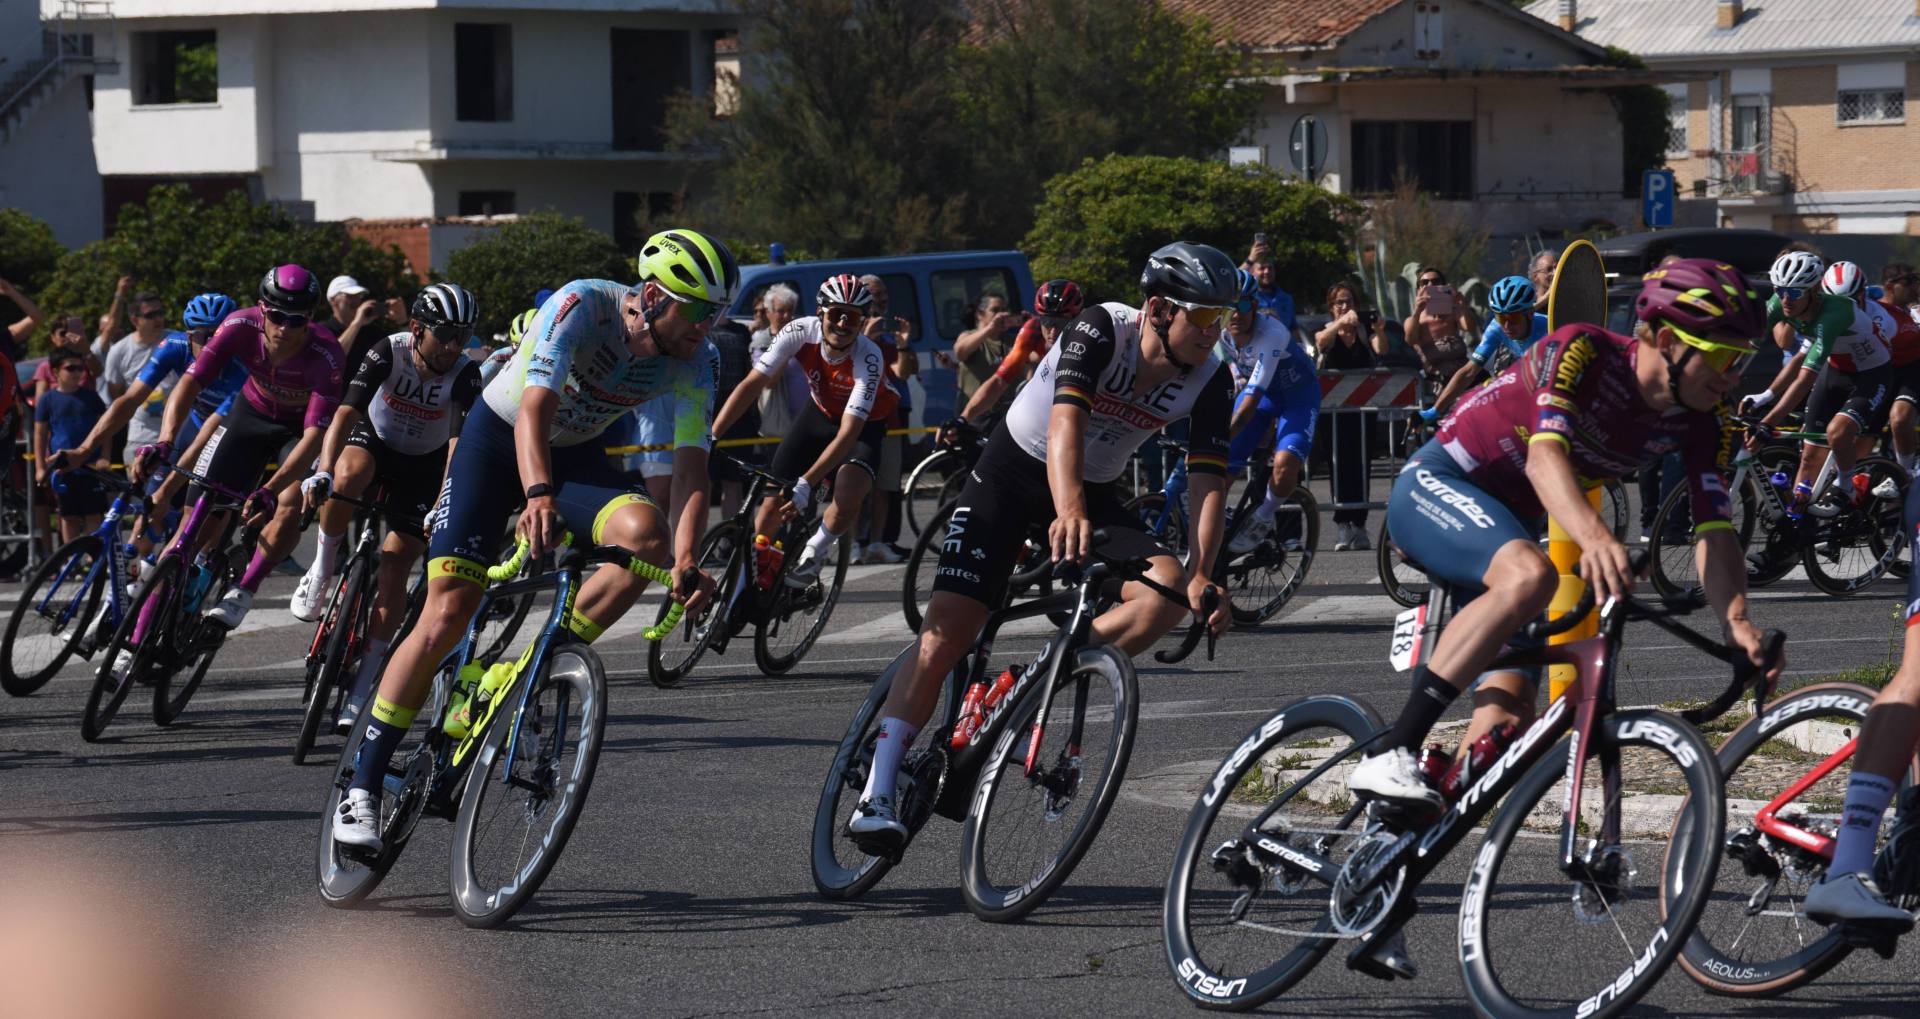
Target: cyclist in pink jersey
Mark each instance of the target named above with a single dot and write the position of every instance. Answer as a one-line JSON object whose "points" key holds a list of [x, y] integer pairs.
{"points": [[294, 369]]}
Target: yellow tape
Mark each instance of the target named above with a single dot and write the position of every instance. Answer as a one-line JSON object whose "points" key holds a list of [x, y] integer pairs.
{"points": [[659, 447]]}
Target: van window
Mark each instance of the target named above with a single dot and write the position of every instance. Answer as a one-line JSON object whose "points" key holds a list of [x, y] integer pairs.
{"points": [[903, 300], [955, 292]]}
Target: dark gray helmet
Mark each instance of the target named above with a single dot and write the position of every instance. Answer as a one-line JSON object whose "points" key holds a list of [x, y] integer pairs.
{"points": [[1192, 274]]}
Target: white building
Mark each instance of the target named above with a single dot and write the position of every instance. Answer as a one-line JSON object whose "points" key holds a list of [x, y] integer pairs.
{"points": [[46, 150], [405, 113]]}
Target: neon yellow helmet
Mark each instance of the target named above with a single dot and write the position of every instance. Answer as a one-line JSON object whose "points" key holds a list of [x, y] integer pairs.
{"points": [[518, 327], [690, 265]]}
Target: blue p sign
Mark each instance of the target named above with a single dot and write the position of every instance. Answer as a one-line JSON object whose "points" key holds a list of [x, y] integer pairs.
{"points": [[1656, 198]]}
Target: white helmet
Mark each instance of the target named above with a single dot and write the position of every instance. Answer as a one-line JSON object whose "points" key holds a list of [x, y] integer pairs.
{"points": [[1842, 279], [1797, 269]]}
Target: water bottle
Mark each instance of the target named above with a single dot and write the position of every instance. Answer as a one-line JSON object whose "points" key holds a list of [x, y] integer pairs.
{"points": [[459, 720], [767, 557], [198, 584], [1434, 762], [1861, 483], [970, 717], [1479, 757], [1781, 479], [1802, 493]]}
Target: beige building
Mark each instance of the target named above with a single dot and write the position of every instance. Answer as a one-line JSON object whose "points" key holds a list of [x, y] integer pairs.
{"points": [[1801, 123]]}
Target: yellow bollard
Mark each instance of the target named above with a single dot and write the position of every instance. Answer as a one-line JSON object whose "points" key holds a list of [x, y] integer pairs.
{"points": [[1565, 553]]}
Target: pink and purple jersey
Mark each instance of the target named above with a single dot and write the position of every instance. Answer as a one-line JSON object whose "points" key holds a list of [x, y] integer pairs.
{"points": [[1578, 387], [305, 387]]}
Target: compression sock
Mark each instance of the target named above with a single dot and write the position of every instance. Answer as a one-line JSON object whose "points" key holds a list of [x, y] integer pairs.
{"points": [[1867, 799], [1430, 699], [1270, 506], [1908, 460], [387, 725], [326, 551], [896, 736], [372, 657], [580, 626], [820, 540], [257, 570]]}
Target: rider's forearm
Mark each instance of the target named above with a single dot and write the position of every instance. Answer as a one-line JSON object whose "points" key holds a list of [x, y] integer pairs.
{"points": [[1066, 448], [1790, 401], [295, 466], [836, 452], [1550, 470], [1723, 571], [344, 417], [179, 405], [688, 508], [533, 436], [1461, 381], [1243, 413], [119, 412], [1207, 494], [742, 397], [984, 399]]}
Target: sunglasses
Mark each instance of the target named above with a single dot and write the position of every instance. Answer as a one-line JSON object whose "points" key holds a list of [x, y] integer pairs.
{"points": [[1719, 357], [1204, 316], [449, 333], [70, 367], [155, 313], [1243, 306], [843, 313], [1790, 293], [1427, 281], [287, 319], [1910, 278], [693, 309], [1051, 322], [200, 335]]}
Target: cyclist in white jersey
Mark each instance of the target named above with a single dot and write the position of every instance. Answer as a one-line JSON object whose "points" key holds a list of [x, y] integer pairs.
{"points": [[1116, 376]]}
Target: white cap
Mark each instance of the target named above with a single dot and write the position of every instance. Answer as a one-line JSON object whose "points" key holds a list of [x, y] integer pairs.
{"points": [[344, 285]]}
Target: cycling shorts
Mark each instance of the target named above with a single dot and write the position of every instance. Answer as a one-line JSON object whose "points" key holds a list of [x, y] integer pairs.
{"points": [[484, 487], [1289, 419], [1865, 396], [1007, 495], [812, 432], [240, 449], [79, 495], [409, 483], [1906, 384]]}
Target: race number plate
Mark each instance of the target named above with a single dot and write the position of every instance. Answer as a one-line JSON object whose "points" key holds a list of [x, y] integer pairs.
{"points": [[1408, 629]]}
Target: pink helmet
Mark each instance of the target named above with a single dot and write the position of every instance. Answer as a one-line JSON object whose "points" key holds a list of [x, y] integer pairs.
{"points": [[290, 288], [1701, 296]]}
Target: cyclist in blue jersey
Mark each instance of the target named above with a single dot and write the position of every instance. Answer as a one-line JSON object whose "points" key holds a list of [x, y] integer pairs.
{"points": [[1277, 399], [596, 350], [1515, 327]]}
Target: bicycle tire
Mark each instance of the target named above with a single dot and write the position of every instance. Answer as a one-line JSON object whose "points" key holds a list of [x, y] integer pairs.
{"points": [[1169, 529], [323, 675], [1613, 507], [1189, 911], [922, 497], [690, 640], [1283, 592], [206, 637], [104, 700], [1670, 547], [1879, 528], [508, 615], [1715, 970], [921, 564], [847, 777], [573, 670], [779, 614], [346, 877], [1406, 585], [1093, 667], [53, 568], [1689, 864]]}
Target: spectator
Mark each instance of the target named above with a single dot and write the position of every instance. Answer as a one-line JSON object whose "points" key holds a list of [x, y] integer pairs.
{"points": [[1268, 298], [1540, 273], [125, 359], [61, 420], [979, 351], [68, 334], [109, 327], [1349, 342], [731, 339], [781, 304], [18, 332], [893, 336], [1902, 286], [354, 314], [1438, 329]]}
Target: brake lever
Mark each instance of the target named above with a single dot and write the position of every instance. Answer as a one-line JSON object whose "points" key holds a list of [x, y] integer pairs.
{"points": [[1209, 602]]}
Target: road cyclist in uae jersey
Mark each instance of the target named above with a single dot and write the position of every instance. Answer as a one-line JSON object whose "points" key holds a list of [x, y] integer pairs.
{"points": [[293, 384], [1277, 395], [1514, 328], [596, 350], [397, 424], [1055, 304], [841, 433], [1844, 279], [1115, 377], [1851, 399], [1580, 406]]}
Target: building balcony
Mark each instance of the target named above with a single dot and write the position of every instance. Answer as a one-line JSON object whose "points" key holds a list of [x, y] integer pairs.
{"points": [[444, 150]]}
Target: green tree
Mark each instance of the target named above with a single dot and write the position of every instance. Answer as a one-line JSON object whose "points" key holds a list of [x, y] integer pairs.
{"points": [[28, 253], [508, 264], [1644, 124], [1098, 224], [178, 246]]}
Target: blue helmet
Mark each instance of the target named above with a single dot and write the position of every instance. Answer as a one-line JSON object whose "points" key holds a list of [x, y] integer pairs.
{"points": [[1247, 287], [207, 311], [1511, 294]]}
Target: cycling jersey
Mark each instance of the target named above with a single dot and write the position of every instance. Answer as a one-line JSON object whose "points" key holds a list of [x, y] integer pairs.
{"points": [[576, 347], [1252, 364], [1900, 329], [409, 412], [171, 360], [1577, 387], [1834, 328], [1092, 366], [1028, 348], [302, 389], [854, 384], [1497, 349]]}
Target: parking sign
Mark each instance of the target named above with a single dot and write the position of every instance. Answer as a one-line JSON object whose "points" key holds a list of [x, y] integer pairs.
{"points": [[1656, 198]]}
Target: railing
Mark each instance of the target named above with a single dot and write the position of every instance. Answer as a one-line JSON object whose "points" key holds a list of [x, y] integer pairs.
{"points": [[1749, 173], [65, 40]]}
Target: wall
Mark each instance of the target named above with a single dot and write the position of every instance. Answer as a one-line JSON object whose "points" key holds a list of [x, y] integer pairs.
{"points": [[1471, 38], [1824, 156], [46, 165], [228, 136]]}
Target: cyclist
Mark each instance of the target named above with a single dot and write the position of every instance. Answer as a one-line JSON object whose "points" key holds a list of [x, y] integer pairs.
{"points": [[596, 350], [1515, 327], [1055, 304], [1581, 405], [1853, 398], [1277, 394], [293, 383], [1117, 376], [842, 432], [1847, 892], [1844, 279], [397, 423]]}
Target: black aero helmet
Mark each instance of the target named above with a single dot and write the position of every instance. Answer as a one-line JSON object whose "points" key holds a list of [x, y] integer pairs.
{"points": [[1198, 274], [445, 304]]}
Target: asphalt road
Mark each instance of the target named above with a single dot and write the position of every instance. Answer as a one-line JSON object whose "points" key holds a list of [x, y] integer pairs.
{"points": [[685, 890]]}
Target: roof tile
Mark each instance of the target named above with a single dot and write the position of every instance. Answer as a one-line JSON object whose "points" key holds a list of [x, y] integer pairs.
{"points": [[1286, 23]]}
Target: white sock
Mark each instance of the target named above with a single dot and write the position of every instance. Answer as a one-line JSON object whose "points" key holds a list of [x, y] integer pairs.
{"points": [[1867, 799], [372, 658], [326, 552], [820, 540], [1908, 460], [1269, 507], [896, 736]]}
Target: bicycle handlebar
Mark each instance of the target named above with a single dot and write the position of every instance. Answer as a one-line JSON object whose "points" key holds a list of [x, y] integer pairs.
{"points": [[1209, 603], [1073, 574], [1773, 644], [580, 558]]}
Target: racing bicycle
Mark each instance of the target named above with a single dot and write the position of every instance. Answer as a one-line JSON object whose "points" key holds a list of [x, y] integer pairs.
{"points": [[1262, 579], [74, 599]]}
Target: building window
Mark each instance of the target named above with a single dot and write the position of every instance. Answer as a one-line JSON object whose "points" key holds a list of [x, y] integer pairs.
{"points": [[483, 72], [175, 67], [1677, 120], [1749, 123], [650, 67], [635, 212], [1436, 155], [1873, 106], [486, 203], [957, 292]]}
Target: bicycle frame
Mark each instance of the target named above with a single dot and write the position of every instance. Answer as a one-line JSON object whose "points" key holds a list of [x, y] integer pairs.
{"points": [[1768, 818], [108, 532]]}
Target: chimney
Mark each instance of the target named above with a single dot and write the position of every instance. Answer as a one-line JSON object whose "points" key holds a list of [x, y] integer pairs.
{"points": [[1727, 13], [1570, 15]]}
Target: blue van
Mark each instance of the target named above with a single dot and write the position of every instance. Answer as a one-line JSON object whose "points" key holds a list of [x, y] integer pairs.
{"points": [[935, 292]]}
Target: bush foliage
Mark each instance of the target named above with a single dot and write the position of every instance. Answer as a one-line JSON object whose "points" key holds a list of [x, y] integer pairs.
{"points": [[508, 264]]}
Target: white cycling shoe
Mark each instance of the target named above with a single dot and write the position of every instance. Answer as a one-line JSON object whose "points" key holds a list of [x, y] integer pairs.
{"points": [[805, 571], [875, 827], [232, 609], [309, 595], [1251, 535], [1395, 777], [1853, 898], [357, 823]]}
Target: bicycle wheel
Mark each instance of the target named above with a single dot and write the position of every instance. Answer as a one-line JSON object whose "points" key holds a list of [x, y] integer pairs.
{"points": [[1170, 529], [798, 615], [1045, 789], [324, 671], [111, 685], [725, 555], [528, 787], [1671, 546], [1240, 927], [1613, 507], [346, 876], [196, 641], [1650, 797], [1754, 938], [1262, 581], [916, 582], [926, 488], [1405, 583], [504, 616], [55, 610], [1849, 552]]}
